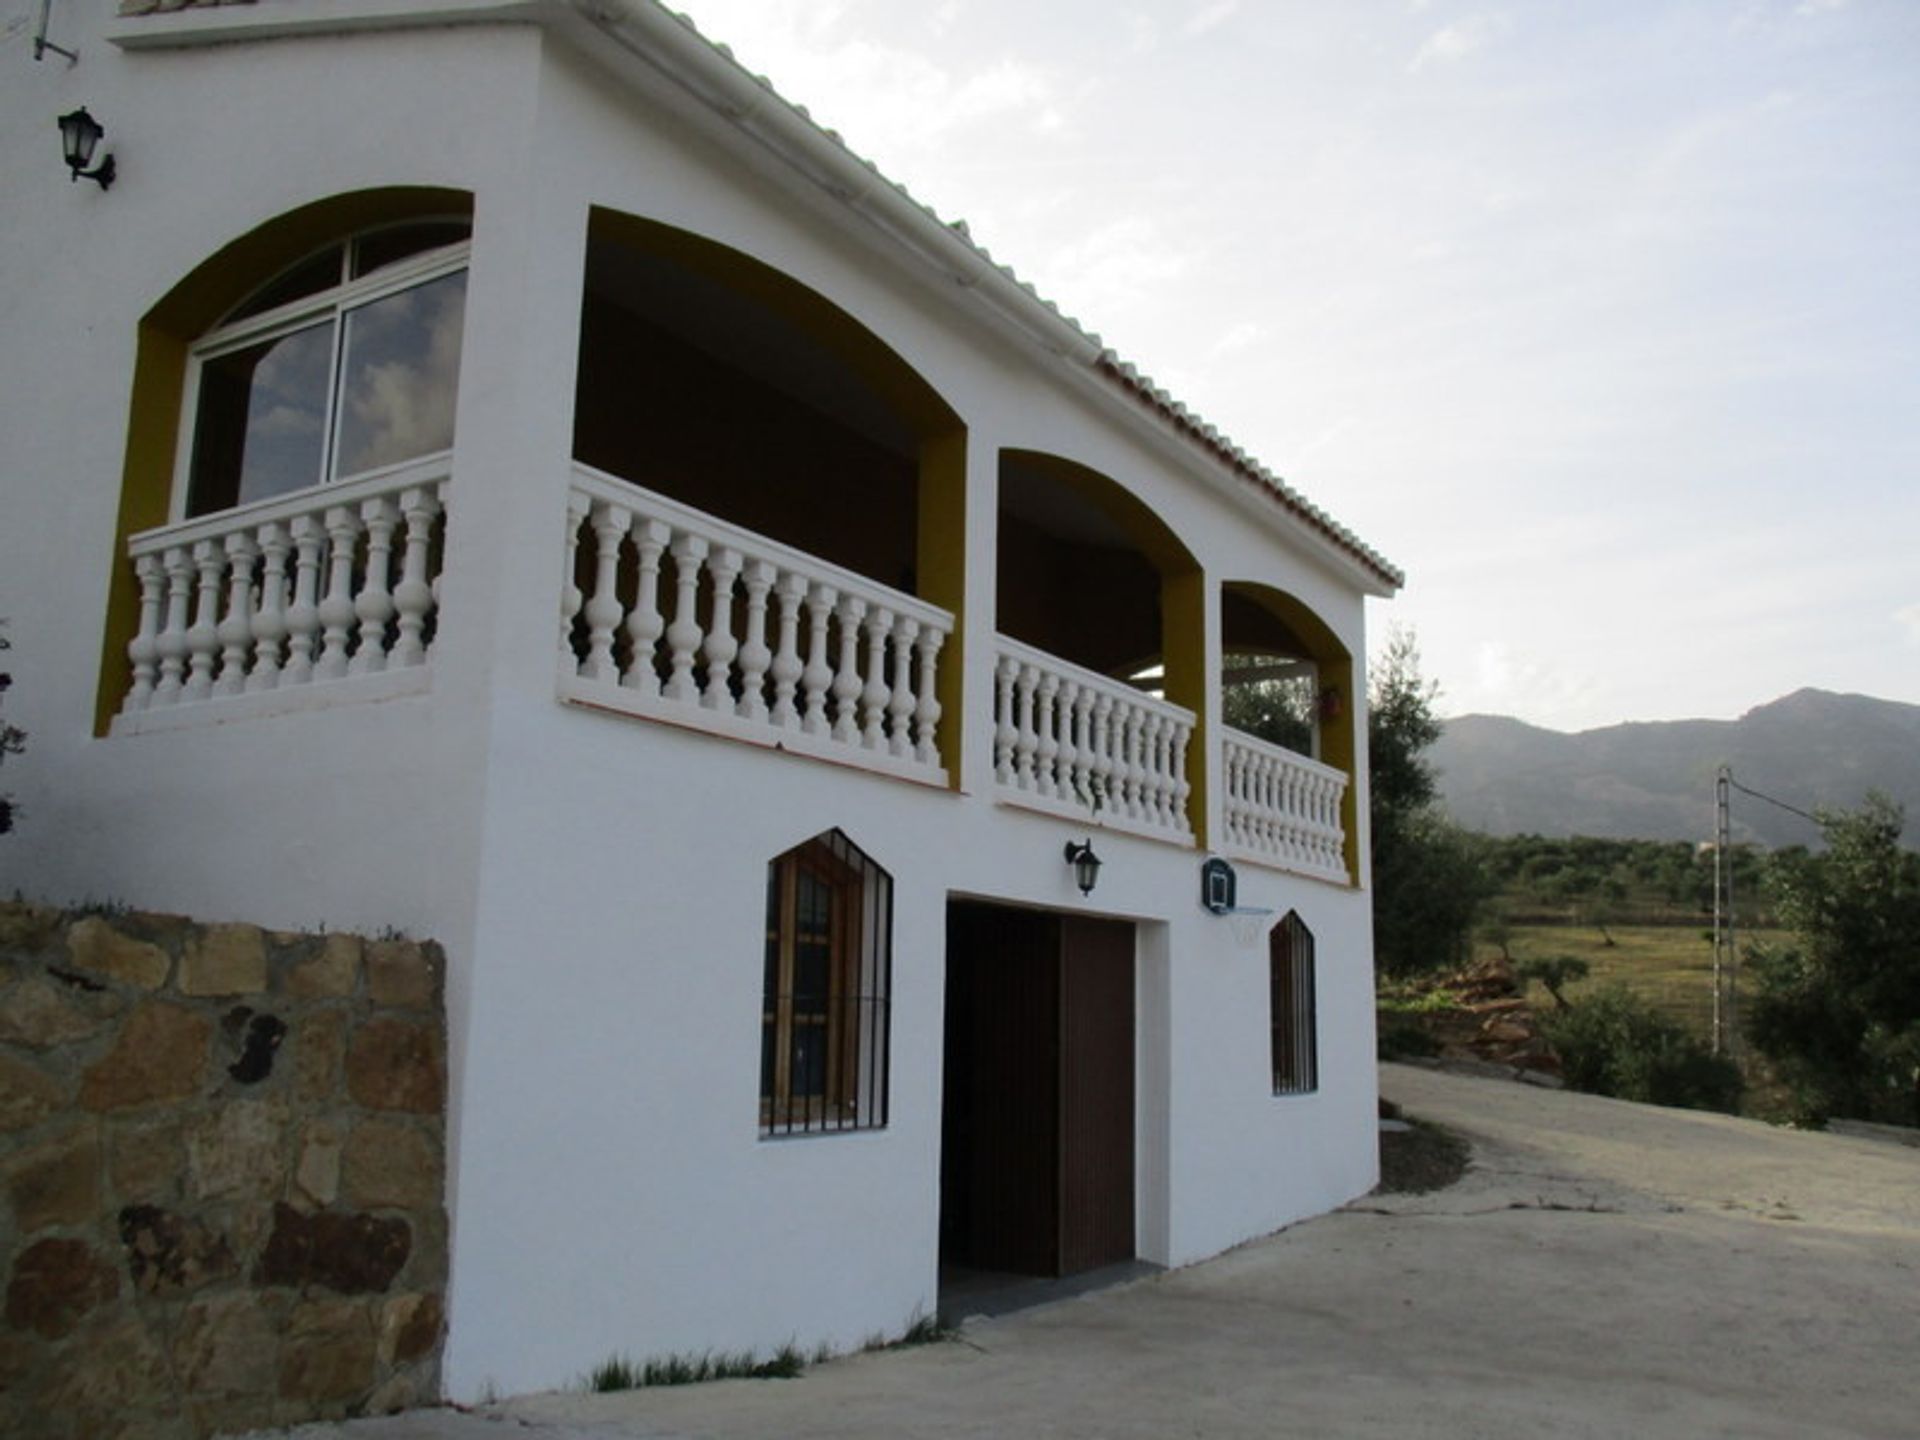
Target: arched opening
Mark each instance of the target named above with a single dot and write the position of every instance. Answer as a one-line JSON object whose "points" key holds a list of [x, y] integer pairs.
{"points": [[824, 1022], [1293, 1010], [716, 380], [710, 380], [1090, 575], [251, 265], [1287, 679]]}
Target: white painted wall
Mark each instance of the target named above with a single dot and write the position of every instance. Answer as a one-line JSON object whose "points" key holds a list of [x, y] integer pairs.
{"points": [[598, 881]]}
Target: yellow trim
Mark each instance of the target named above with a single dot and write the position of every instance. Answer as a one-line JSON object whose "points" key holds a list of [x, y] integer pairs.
{"points": [[1339, 742], [941, 562], [166, 332], [1183, 632]]}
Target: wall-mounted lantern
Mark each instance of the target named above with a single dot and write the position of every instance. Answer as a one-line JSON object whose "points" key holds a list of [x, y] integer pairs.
{"points": [[79, 136], [1086, 864]]}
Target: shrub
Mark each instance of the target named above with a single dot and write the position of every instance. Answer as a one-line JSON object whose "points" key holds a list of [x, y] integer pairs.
{"points": [[1614, 1043]]}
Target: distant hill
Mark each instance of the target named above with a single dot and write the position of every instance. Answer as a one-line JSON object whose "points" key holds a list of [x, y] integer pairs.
{"points": [[1655, 781]]}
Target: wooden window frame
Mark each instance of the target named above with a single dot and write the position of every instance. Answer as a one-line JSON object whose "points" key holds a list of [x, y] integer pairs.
{"points": [[852, 1091], [1294, 1007]]}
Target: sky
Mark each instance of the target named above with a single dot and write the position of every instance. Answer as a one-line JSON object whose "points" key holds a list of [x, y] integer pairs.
{"points": [[1599, 318]]}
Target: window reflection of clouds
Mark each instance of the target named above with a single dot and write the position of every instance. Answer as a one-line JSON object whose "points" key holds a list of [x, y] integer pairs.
{"points": [[399, 376], [286, 412]]}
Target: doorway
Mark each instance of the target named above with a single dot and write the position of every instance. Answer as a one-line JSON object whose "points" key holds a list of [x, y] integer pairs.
{"points": [[1037, 1136]]}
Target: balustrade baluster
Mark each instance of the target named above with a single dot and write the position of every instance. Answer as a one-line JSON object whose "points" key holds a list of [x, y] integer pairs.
{"points": [[172, 644], [413, 596], [846, 677], [791, 591], [1067, 759], [683, 635], [1103, 779], [1006, 674], [572, 597], [1046, 745], [926, 709], [144, 649], [203, 636], [901, 703], [336, 610], [303, 615], [379, 517], [610, 524], [723, 569], [818, 674], [875, 694], [755, 657], [1025, 740], [236, 626], [270, 615], [646, 624]]}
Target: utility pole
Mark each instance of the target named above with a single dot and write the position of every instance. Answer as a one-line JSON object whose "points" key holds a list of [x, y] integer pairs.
{"points": [[1726, 960]]}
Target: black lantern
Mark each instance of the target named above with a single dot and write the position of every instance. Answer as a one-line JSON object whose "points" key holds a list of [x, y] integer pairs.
{"points": [[1086, 865], [79, 136]]}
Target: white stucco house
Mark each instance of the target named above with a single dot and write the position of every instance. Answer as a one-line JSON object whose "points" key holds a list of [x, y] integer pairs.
{"points": [[493, 469]]}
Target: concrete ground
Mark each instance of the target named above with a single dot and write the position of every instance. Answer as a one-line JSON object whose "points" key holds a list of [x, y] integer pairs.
{"points": [[1603, 1269]]}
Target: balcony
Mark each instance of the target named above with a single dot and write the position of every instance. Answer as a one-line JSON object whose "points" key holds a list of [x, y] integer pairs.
{"points": [[679, 616], [1282, 809], [279, 605]]}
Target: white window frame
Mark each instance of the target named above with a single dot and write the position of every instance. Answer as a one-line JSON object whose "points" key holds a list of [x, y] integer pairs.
{"points": [[336, 303]]}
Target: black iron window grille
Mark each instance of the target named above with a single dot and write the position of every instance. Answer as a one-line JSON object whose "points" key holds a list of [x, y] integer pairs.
{"points": [[1296, 1058]]}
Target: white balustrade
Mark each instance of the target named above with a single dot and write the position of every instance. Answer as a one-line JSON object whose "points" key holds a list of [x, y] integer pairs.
{"points": [[678, 615], [286, 594], [1282, 808], [1076, 743]]}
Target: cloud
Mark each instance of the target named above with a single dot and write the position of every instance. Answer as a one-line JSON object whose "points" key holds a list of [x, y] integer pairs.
{"points": [[1112, 269], [1455, 42], [1211, 17], [1908, 619]]}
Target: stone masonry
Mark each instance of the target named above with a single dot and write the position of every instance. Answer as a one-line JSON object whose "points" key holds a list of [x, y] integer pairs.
{"points": [[221, 1175]]}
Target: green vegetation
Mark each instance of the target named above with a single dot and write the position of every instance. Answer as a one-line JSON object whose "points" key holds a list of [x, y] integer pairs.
{"points": [[617, 1372], [1614, 1043], [1838, 1010], [1555, 972], [1429, 879]]}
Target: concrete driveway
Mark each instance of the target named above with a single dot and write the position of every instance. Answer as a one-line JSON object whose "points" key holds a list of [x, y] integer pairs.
{"points": [[1604, 1269]]}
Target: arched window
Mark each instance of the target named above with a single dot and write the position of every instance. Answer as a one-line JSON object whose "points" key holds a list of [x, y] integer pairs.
{"points": [[1296, 1054], [343, 364], [823, 1014]]}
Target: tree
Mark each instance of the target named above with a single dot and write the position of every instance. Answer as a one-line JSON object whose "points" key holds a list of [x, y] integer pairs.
{"points": [[12, 742], [1839, 1012], [1555, 972], [1613, 1042], [1428, 877]]}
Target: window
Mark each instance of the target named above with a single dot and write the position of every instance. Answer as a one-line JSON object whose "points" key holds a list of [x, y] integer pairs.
{"points": [[1296, 1058], [823, 1016], [343, 364]]}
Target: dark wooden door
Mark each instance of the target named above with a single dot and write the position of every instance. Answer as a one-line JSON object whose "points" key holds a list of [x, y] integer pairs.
{"points": [[1037, 1158], [1096, 1093]]}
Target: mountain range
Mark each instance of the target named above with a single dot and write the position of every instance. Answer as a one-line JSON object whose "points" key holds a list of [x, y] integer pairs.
{"points": [[1655, 781]]}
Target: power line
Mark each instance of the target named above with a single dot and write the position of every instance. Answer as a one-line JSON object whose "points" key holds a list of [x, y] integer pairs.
{"points": [[1781, 804]]}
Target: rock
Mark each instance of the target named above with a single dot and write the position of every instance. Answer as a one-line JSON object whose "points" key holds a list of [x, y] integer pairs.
{"points": [[317, 1177], [351, 1254], [319, 1052], [56, 1182], [95, 947], [410, 1328], [28, 1094], [228, 1345], [392, 1165], [109, 1381], [55, 1283], [36, 1015], [328, 1353], [27, 929], [169, 1254], [397, 1065], [254, 1040], [161, 1055], [225, 960], [236, 1152], [1506, 1032], [146, 1159], [330, 973], [403, 973]]}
